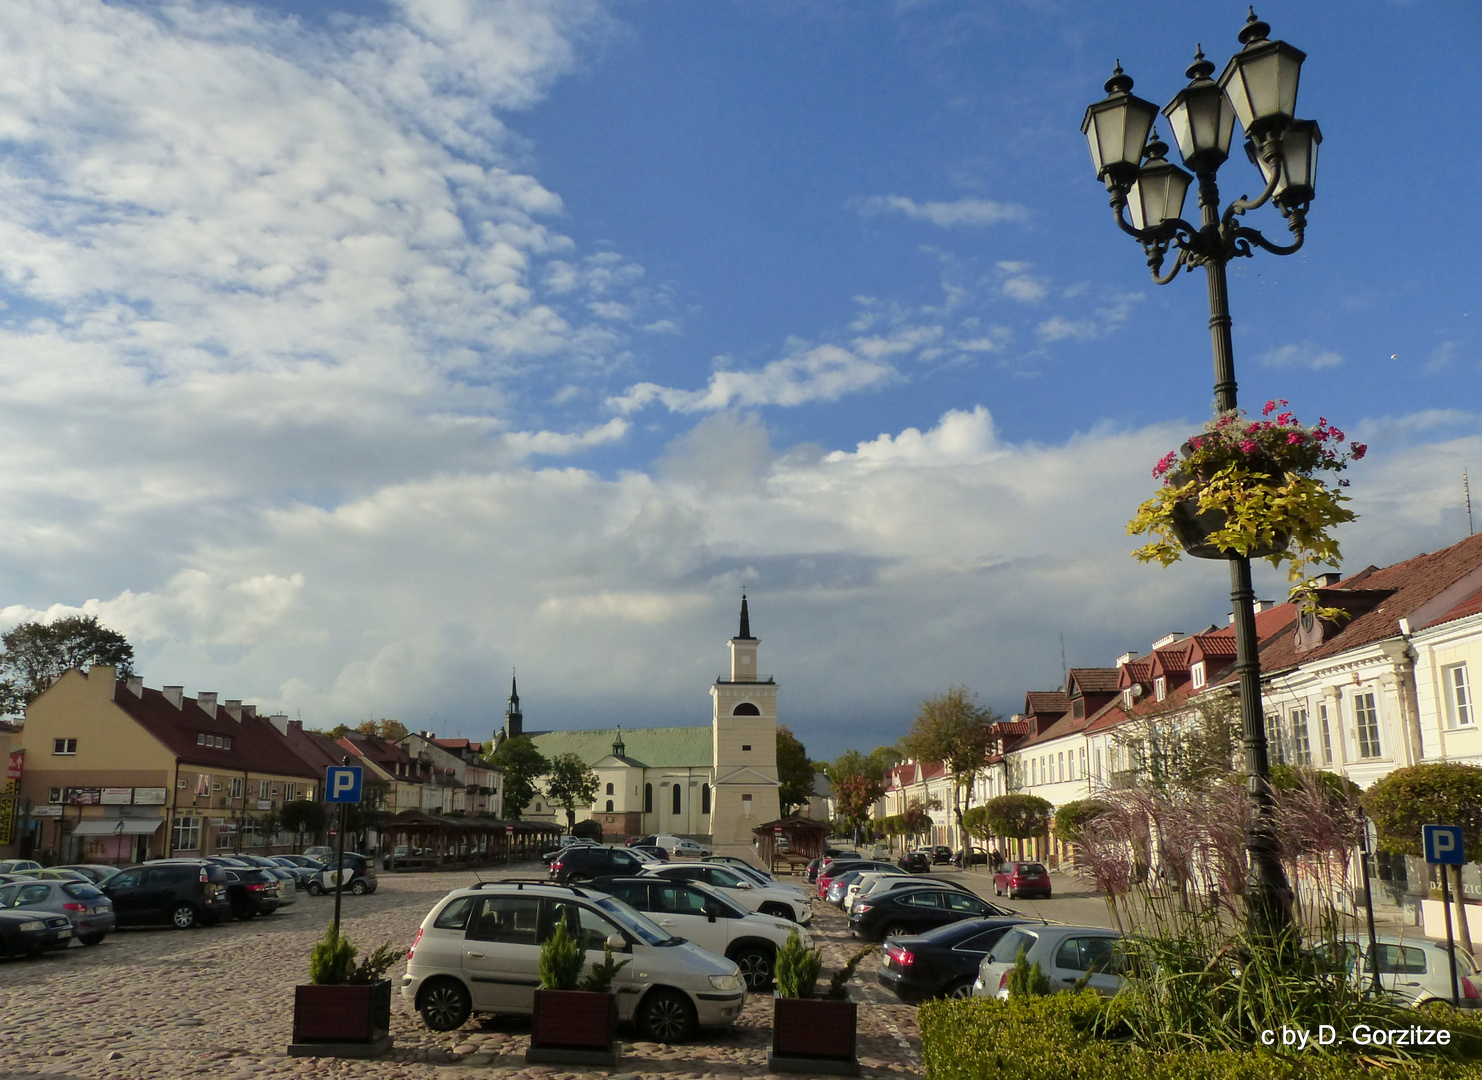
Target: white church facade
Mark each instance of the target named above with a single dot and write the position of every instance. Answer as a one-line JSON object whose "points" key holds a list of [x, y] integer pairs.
{"points": [[713, 783]]}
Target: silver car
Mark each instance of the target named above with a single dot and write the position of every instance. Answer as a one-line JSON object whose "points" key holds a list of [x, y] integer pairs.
{"points": [[1069, 955], [90, 912], [1415, 970]]}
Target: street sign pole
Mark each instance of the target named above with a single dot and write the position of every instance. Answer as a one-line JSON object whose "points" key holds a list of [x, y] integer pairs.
{"points": [[342, 786], [1369, 898], [339, 874], [1450, 938]]}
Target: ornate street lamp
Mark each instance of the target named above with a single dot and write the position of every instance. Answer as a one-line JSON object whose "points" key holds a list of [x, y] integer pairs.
{"points": [[1258, 88]]}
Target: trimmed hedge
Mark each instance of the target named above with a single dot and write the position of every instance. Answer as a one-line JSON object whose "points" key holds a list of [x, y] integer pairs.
{"points": [[1050, 1037]]}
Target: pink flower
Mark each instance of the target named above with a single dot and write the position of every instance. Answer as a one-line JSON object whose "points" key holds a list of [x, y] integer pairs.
{"points": [[1336, 434], [1268, 408], [1248, 447], [1164, 464], [1358, 450], [1195, 442], [1294, 439]]}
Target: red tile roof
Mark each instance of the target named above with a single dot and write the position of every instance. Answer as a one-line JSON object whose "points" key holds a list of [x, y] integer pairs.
{"points": [[317, 751], [256, 744], [1037, 702], [1094, 680]]}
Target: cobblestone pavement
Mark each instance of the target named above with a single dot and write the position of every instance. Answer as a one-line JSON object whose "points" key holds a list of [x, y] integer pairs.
{"points": [[218, 1002]]}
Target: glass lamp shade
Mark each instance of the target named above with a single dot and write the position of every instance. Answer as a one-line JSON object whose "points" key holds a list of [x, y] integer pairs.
{"points": [[1261, 82], [1158, 194], [1202, 120], [1298, 163], [1116, 129]]}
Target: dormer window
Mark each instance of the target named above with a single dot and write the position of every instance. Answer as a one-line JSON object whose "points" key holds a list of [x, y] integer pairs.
{"points": [[1160, 688], [1196, 674], [1127, 698]]}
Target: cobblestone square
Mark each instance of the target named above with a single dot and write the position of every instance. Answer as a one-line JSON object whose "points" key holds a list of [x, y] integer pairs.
{"points": [[218, 1002]]}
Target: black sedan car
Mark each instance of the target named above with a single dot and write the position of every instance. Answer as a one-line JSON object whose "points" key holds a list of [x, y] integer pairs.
{"points": [[251, 891], [31, 933], [941, 854], [941, 963], [914, 911], [916, 862]]}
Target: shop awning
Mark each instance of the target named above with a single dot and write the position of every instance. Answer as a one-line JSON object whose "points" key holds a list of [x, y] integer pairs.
{"points": [[117, 827]]}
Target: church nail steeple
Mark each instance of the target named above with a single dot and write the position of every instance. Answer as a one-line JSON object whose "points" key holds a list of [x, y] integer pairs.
{"points": [[514, 721], [745, 634]]}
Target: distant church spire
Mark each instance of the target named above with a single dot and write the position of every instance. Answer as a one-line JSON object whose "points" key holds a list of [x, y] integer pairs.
{"points": [[745, 634], [514, 722], [619, 748]]}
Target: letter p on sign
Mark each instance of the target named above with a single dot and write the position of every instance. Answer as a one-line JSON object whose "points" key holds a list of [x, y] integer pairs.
{"points": [[342, 784], [1443, 844]]}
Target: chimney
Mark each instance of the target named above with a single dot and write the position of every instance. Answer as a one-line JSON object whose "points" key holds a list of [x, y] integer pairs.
{"points": [[135, 684], [1328, 580], [173, 694], [206, 699], [249, 711], [1126, 658], [282, 723], [1264, 605], [1168, 639], [233, 707]]}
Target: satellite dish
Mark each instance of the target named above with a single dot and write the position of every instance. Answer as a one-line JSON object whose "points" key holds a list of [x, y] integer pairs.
{"points": [[1137, 689]]}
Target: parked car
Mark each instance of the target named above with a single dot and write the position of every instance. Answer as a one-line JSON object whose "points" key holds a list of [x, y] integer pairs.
{"points": [[866, 881], [1018, 879], [760, 877], [633, 841], [252, 891], [55, 873], [478, 950], [649, 849], [769, 900], [97, 873], [301, 874], [30, 933], [915, 910], [321, 853], [1066, 954], [588, 861], [87, 909], [941, 963], [970, 857], [1414, 970], [711, 920], [675, 846], [306, 866], [17, 866], [941, 853], [184, 893], [359, 876], [915, 862], [827, 873], [288, 880]]}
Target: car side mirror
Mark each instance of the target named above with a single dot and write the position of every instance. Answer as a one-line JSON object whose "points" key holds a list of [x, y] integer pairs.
{"points": [[743, 885], [617, 943]]}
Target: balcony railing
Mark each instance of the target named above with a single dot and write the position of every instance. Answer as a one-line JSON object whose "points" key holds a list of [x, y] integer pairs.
{"points": [[724, 678]]}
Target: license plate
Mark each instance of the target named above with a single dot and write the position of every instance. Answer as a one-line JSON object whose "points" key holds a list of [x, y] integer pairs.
{"points": [[64, 933]]}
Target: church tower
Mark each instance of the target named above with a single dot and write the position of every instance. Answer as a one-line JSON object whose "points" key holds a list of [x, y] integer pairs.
{"points": [[514, 721], [744, 734]]}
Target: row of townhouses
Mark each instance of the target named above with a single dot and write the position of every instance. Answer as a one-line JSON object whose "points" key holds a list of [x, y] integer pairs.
{"points": [[1387, 685], [109, 770]]}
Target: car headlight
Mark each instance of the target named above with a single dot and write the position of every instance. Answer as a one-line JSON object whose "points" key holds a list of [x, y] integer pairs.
{"points": [[30, 927], [726, 982]]}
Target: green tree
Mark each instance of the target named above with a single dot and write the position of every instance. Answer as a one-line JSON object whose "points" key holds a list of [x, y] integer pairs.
{"points": [[953, 729], [522, 764], [303, 816], [34, 653], [1018, 816], [1071, 818], [570, 782], [794, 770], [389, 730]]}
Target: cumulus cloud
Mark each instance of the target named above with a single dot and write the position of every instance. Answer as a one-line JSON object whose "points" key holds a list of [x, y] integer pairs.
{"points": [[945, 215], [1304, 355]]}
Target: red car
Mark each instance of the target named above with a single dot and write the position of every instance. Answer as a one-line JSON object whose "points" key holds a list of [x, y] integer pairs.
{"points": [[1022, 879]]}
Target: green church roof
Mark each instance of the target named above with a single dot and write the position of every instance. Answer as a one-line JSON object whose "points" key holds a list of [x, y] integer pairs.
{"points": [[656, 747]]}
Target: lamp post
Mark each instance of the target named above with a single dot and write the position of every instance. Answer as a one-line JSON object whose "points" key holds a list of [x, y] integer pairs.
{"points": [[1258, 88]]}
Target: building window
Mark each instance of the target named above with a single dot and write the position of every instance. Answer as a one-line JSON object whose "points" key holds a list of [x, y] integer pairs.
{"points": [[1196, 674], [648, 798], [676, 799], [290, 792], [1160, 688], [1326, 734], [236, 787], [262, 789], [746, 806], [64, 746], [1366, 725], [609, 791], [1276, 739], [1098, 763], [1459, 709], [746, 746], [704, 798], [1301, 738], [609, 803], [1060, 766], [1070, 766], [185, 834]]}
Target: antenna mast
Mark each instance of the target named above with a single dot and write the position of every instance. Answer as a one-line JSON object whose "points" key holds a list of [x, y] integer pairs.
{"points": [[1466, 487], [1064, 671]]}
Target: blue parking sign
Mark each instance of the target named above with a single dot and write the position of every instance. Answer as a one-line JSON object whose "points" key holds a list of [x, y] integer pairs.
{"points": [[1443, 844], [342, 784]]}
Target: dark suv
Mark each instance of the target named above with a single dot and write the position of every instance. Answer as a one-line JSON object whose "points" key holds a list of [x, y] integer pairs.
{"points": [[583, 862], [181, 893]]}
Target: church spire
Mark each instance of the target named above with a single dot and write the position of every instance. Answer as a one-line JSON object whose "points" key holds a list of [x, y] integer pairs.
{"points": [[619, 748], [514, 722], [745, 634]]}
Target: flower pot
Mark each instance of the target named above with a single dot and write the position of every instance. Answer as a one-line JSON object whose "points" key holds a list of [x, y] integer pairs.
{"points": [[344, 1021], [814, 1035], [1193, 527], [574, 1026]]}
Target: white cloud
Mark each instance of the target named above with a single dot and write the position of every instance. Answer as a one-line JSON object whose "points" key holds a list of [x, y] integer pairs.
{"points": [[1304, 355], [945, 215]]}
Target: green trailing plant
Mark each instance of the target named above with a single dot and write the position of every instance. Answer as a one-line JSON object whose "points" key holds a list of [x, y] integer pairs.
{"points": [[600, 979], [561, 960], [1265, 477], [838, 985], [332, 961], [1027, 980], [798, 968]]}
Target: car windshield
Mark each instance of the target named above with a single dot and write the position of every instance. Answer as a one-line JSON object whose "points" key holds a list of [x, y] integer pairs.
{"points": [[1009, 945], [640, 926], [1031, 869]]}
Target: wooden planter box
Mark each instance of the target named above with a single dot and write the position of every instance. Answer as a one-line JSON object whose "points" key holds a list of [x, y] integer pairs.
{"points": [[575, 1027], [342, 1021], [814, 1035]]}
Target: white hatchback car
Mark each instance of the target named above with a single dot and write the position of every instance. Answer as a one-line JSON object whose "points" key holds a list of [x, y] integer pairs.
{"points": [[478, 950], [775, 900], [1068, 955], [867, 883]]}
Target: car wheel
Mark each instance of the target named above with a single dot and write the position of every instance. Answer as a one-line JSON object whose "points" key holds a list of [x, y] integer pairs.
{"points": [[896, 930], [756, 964], [666, 1016], [444, 1005], [90, 939], [316, 889], [358, 888], [962, 988], [246, 913], [777, 911]]}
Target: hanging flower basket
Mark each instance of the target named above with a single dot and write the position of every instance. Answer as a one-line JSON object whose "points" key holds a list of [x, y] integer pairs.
{"points": [[1252, 488]]}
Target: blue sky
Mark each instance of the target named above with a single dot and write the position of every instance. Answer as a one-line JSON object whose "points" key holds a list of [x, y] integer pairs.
{"points": [[354, 353]]}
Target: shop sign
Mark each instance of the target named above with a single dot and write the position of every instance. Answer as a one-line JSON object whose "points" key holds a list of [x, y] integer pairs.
{"points": [[46, 811], [82, 796], [116, 796], [149, 796], [13, 768]]}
